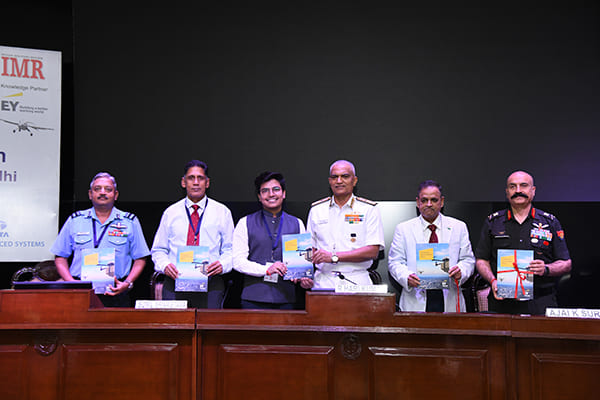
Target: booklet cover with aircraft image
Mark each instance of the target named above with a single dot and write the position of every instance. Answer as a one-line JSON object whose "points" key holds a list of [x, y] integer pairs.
{"points": [[99, 268], [433, 264], [192, 264], [515, 281], [297, 255]]}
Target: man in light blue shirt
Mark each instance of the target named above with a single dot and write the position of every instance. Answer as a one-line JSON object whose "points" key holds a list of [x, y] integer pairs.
{"points": [[103, 226]]}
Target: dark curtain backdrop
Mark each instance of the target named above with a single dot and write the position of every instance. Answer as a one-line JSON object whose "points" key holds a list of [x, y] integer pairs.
{"points": [[464, 95]]}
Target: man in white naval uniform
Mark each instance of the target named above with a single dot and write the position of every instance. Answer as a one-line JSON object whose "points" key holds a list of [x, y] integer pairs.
{"points": [[347, 231]]}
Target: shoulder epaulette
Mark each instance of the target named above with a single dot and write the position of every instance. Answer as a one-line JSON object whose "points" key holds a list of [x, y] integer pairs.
{"points": [[363, 200], [548, 215], [496, 214], [320, 201], [130, 216], [76, 214]]}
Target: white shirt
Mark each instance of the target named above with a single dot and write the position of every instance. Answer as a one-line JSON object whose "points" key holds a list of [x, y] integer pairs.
{"points": [[333, 228], [241, 250], [216, 232]]}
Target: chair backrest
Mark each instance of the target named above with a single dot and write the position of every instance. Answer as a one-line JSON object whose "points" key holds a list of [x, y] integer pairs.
{"points": [[373, 274], [156, 285]]}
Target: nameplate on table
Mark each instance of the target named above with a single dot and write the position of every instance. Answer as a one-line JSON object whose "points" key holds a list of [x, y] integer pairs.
{"points": [[369, 289], [572, 313], [161, 304]]}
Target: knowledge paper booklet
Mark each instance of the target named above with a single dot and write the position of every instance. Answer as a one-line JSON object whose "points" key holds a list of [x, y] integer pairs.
{"points": [[515, 281], [192, 264], [99, 268], [297, 255], [433, 264]]}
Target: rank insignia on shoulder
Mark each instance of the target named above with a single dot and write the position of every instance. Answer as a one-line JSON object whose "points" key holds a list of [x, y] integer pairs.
{"points": [[493, 215], [370, 202], [129, 216], [76, 214], [548, 215], [320, 201]]}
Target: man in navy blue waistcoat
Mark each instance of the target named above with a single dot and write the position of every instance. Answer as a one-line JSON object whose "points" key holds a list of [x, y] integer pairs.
{"points": [[257, 250]]}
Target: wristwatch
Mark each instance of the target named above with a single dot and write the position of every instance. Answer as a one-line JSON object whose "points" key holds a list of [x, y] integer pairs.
{"points": [[334, 258], [130, 283], [547, 271]]}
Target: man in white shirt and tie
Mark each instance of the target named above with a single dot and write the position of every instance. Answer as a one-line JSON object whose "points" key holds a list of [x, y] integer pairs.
{"points": [[431, 226], [195, 220]]}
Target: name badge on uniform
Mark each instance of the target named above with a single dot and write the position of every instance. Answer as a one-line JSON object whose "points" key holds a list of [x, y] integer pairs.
{"points": [[354, 218]]}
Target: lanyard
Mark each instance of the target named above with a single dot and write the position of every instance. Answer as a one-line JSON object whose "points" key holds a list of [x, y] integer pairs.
{"points": [[196, 228], [274, 241], [97, 242]]}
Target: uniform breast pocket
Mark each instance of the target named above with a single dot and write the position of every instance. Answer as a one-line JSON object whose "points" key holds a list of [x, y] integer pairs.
{"points": [[355, 234], [82, 240], [117, 241], [541, 247], [501, 241]]}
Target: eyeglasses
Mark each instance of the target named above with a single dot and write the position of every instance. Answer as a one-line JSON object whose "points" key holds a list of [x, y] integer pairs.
{"points": [[275, 190], [98, 189], [344, 177]]}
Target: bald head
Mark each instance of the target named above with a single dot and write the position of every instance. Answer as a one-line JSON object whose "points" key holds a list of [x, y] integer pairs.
{"points": [[343, 163], [519, 175], [520, 190]]}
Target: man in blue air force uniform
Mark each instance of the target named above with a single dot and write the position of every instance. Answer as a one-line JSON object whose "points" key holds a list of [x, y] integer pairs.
{"points": [[103, 226]]}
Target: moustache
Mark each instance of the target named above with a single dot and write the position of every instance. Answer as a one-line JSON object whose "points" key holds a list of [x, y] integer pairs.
{"points": [[519, 194], [103, 196]]}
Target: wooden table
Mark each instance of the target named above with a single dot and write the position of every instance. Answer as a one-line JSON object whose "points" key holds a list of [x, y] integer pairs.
{"points": [[60, 345]]}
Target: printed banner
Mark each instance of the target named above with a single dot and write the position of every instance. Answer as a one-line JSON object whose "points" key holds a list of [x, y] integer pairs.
{"points": [[30, 106]]}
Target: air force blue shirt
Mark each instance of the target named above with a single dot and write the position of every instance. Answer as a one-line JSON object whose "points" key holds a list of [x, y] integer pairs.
{"points": [[121, 231]]}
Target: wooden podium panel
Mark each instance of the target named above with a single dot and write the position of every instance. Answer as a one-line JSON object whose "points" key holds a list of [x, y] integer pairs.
{"points": [[282, 370], [419, 373], [57, 345], [299, 356], [14, 375], [119, 371], [557, 369]]}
